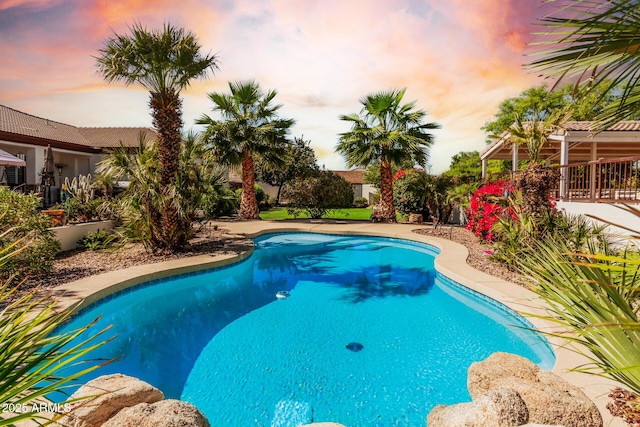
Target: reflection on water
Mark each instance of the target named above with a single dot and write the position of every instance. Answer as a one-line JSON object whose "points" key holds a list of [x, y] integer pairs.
{"points": [[162, 329]]}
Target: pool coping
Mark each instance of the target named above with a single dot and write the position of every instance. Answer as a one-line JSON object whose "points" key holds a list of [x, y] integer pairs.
{"points": [[451, 262]]}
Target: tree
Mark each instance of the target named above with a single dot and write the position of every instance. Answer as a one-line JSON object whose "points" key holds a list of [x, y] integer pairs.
{"points": [[318, 194], [596, 44], [537, 103], [466, 167], [198, 179], [536, 181], [388, 132], [298, 160], [372, 173], [249, 126], [163, 62]]}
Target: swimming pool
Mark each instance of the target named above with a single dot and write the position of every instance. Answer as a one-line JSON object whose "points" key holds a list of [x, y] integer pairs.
{"points": [[370, 335]]}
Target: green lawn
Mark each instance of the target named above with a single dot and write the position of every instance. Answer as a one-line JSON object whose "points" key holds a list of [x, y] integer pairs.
{"points": [[358, 214]]}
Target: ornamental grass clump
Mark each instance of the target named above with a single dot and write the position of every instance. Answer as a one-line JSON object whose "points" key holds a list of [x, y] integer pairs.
{"points": [[592, 295], [35, 360]]}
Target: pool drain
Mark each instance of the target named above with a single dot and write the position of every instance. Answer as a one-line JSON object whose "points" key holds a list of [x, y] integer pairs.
{"points": [[354, 346]]}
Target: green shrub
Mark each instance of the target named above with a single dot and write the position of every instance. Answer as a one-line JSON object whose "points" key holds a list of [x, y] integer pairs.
{"points": [[410, 190], [224, 202], [21, 220], [98, 240], [80, 212], [375, 198], [360, 202], [317, 195]]}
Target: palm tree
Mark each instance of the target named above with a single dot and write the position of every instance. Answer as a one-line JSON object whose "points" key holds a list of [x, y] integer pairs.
{"points": [[535, 182], [198, 177], [598, 44], [163, 62], [249, 125], [388, 132]]}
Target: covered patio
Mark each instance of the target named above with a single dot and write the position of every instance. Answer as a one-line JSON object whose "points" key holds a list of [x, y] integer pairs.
{"points": [[602, 167]]}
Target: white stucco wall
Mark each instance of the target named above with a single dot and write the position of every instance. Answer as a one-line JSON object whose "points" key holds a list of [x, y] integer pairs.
{"points": [[604, 211], [368, 190], [69, 235]]}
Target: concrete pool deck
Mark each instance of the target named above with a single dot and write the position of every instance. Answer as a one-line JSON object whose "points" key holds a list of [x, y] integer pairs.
{"points": [[451, 262]]}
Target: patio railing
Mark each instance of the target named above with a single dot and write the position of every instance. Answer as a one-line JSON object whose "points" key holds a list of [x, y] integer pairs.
{"points": [[607, 181]]}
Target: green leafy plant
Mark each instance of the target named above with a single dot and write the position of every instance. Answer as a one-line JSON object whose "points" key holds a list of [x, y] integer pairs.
{"points": [[410, 188], [592, 294], [98, 240], [360, 202], [318, 195], [20, 220], [33, 356], [139, 207]]}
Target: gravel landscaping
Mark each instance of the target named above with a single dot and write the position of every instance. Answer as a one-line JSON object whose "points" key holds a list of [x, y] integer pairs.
{"points": [[73, 265]]}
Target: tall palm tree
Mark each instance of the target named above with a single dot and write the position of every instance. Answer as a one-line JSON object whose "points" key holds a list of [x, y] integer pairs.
{"points": [[596, 43], [248, 125], [388, 132], [164, 62]]}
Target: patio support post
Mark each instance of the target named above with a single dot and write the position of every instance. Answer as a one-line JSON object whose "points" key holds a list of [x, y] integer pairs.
{"points": [[564, 160], [484, 169], [514, 158], [592, 171]]}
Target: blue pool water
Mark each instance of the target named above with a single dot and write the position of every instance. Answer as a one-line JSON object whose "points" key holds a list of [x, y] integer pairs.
{"points": [[369, 336]]}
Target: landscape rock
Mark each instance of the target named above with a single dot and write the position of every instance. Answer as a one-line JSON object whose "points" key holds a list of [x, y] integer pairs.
{"points": [[113, 393], [415, 218], [166, 413], [499, 408], [549, 399]]}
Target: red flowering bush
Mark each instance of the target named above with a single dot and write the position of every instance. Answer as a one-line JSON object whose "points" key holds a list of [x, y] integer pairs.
{"points": [[487, 205], [400, 174]]}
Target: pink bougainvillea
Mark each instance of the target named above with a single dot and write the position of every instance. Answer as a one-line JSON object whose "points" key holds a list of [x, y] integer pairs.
{"points": [[487, 205]]}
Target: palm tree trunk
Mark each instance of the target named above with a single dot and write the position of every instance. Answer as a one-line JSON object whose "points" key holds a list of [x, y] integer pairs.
{"points": [[386, 192], [166, 110], [248, 203]]}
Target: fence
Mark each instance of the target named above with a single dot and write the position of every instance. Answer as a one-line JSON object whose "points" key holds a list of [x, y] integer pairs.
{"points": [[607, 181]]}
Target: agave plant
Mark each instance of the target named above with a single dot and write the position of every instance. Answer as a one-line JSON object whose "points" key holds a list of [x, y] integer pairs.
{"points": [[33, 357]]}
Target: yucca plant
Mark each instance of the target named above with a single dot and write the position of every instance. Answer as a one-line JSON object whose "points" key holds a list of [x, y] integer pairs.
{"points": [[33, 356], [592, 295]]}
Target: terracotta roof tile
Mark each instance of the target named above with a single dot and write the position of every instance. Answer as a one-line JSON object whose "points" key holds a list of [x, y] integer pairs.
{"points": [[620, 126], [14, 121], [17, 122], [112, 137], [355, 176]]}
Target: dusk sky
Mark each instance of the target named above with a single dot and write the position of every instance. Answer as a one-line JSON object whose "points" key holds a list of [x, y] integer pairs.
{"points": [[457, 58]]}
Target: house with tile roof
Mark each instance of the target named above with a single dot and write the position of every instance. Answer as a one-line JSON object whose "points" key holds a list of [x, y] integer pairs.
{"points": [[355, 177], [76, 150]]}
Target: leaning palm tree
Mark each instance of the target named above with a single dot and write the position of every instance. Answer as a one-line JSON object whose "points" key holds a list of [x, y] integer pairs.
{"points": [[163, 62], [248, 125], [597, 44], [388, 132]]}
